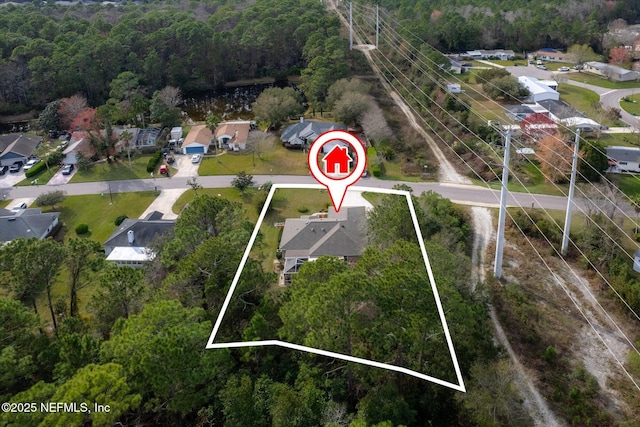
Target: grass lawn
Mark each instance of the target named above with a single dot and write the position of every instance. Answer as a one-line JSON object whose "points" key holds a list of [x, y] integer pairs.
{"points": [[621, 139], [286, 203], [532, 181], [510, 63], [42, 178], [114, 171], [490, 109], [632, 105], [581, 99], [629, 184], [274, 159], [553, 66], [98, 212], [596, 80]]}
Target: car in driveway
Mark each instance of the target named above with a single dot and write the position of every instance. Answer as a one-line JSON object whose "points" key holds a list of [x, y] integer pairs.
{"points": [[18, 207], [3, 169], [30, 164], [196, 158], [67, 169], [15, 167], [542, 67], [564, 69]]}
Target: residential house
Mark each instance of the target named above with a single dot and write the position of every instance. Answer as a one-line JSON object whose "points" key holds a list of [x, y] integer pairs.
{"points": [[302, 134], [612, 72], [537, 90], [553, 55], [341, 234], [121, 145], [17, 148], [78, 145], [623, 159], [147, 137], [233, 134], [501, 54], [130, 243], [197, 141], [27, 223], [456, 67]]}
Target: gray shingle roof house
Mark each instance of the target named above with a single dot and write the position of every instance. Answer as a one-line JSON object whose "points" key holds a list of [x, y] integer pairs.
{"points": [[610, 71], [304, 133], [129, 244], [342, 234], [623, 159], [27, 223], [17, 148]]}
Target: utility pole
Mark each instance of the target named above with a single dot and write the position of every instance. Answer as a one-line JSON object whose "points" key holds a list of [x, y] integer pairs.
{"points": [[350, 25], [572, 185], [377, 25], [497, 268]]}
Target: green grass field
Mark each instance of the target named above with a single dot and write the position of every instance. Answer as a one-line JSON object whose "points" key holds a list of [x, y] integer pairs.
{"points": [[620, 139], [99, 213], [596, 80], [271, 158], [632, 105], [114, 171], [581, 99]]}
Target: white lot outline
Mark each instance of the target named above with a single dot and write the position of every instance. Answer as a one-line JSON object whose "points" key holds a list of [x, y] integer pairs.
{"points": [[211, 345]]}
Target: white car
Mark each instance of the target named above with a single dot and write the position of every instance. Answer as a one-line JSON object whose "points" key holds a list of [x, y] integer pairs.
{"points": [[30, 164], [18, 207], [196, 158], [563, 69]]}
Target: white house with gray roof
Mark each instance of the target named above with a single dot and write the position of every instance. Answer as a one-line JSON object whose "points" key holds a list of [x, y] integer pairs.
{"points": [[129, 244], [623, 159], [27, 223], [612, 72], [341, 234], [302, 134]]}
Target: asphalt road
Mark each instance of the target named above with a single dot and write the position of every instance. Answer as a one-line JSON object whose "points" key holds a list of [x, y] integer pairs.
{"points": [[459, 193]]}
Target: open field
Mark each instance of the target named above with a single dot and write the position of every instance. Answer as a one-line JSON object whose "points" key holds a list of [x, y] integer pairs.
{"points": [[99, 213], [114, 171]]}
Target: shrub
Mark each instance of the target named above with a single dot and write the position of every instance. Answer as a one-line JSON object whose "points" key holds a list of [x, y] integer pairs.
{"points": [[376, 170], [120, 219], [82, 229], [35, 169], [153, 161], [303, 209]]}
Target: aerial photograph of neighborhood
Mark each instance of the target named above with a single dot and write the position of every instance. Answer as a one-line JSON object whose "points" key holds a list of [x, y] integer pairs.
{"points": [[320, 213]]}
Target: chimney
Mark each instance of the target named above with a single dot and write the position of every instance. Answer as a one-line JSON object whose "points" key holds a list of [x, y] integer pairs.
{"points": [[301, 119], [130, 236]]}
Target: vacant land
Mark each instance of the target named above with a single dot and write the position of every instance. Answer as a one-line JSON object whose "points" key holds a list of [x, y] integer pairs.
{"points": [[115, 170]]}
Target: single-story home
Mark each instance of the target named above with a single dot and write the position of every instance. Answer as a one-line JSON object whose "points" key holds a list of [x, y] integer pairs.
{"points": [[341, 234], [79, 144], [27, 223], [17, 148], [486, 54], [233, 134], [302, 134], [538, 91], [612, 72], [129, 244], [623, 159], [553, 56], [121, 145], [197, 141]]}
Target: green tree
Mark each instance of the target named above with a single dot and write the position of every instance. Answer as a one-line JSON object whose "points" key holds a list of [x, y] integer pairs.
{"points": [[49, 120], [164, 358], [127, 136], [84, 259], [350, 107], [276, 105], [506, 87], [581, 53], [105, 384], [593, 161], [162, 111], [51, 198], [242, 181]]}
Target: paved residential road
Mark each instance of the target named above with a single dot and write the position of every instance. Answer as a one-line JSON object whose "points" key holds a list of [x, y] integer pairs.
{"points": [[459, 193]]}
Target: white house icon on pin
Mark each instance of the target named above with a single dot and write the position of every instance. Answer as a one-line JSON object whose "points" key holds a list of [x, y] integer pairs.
{"points": [[337, 161]]}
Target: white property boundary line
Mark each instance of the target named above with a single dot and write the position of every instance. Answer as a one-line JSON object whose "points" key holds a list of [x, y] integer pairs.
{"points": [[211, 345]]}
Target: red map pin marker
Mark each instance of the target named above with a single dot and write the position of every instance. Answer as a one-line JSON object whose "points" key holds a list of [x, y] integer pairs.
{"points": [[339, 169]]}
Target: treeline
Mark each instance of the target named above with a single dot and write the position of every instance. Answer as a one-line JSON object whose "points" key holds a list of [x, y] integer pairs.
{"points": [[138, 342], [49, 52], [457, 26]]}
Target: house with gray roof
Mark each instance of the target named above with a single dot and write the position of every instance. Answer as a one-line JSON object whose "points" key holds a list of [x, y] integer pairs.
{"points": [[623, 159], [341, 234], [17, 148], [302, 134], [27, 223], [130, 243], [612, 72]]}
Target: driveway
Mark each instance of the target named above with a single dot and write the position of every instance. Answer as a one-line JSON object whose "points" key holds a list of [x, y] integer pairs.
{"points": [[10, 179], [164, 203], [185, 169], [59, 179]]}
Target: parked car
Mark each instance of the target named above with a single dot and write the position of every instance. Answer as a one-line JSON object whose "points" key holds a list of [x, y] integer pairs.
{"points": [[30, 164], [196, 158], [62, 146], [3, 169], [170, 159], [563, 69], [15, 167], [164, 170], [19, 206], [542, 67], [578, 67], [67, 169]]}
